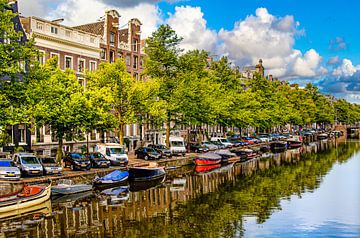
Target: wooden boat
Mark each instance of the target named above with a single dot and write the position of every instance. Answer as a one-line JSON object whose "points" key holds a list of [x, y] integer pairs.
{"points": [[295, 142], [113, 179], [146, 173], [206, 168], [225, 155], [29, 196], [278, 146], [209, 158], [67, 186]]}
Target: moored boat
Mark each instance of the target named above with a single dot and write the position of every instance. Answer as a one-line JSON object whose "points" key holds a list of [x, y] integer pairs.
{"points": [[209, 158], [245, 154], [295, 142], [113, 179], [278, 146], [30, 195], [146, 173], [206, 168], [67, 186], [322, 136], [225, 155]]}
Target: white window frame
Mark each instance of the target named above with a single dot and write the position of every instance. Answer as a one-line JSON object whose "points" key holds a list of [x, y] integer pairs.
{"points": [[39, 26], [42, 55], [92, 61], [72, 61], [57, 54], [82, 81], [78, 66], [56, 30]]}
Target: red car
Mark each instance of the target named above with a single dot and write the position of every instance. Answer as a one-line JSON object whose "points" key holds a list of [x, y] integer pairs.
{"points": [[248, 140]]}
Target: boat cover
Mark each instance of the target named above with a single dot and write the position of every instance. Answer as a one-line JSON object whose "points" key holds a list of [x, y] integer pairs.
{"points": [[225, 152], [116, 175], [210, 156]]}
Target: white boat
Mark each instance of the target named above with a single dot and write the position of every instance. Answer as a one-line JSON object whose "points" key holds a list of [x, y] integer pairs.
{"points": [[67, 186]]}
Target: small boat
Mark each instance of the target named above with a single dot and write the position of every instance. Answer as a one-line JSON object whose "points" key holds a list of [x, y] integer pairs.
{"points": [[206, 168], [113, 179], [146, 173], [208, 158], [67, 186], [245, 154], [278, 146], [117, 195], [295, 142], [225, 155], [28, 196], [322, 136]]}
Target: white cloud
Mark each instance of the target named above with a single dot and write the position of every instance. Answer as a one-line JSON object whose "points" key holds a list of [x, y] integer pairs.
{"points": [[346, 69], [189, 23]]}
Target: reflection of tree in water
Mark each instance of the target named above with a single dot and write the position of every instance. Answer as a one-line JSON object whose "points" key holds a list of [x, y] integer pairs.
{"points": [[221, 214]]}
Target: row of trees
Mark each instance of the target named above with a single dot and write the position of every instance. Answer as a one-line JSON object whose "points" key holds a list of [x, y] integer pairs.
{"points": [[179, 88]]}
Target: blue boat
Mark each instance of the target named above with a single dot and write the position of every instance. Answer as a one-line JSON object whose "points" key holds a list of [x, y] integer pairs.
{"points": [[113, 179]]}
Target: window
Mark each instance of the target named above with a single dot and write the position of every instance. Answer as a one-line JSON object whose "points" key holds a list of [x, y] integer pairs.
{"points": [[103, 54], [81, 66], [39, 134], [47, 130], [82, 82], [92, 135], [135, 62], [92, 39], [41, 57], [54, 30], [68, 62], [68, 33], [135, 46], [92, 66], [39, 26], [112, 56], [22, 134], [127, 60], [55, 55], [112, 38]]}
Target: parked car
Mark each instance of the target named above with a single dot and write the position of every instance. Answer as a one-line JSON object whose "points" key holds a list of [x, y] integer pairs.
{"points": [[223, 141], [114, 152], [50, 166], [97, 160], [77, 161], [162, 149], [147, 153], [248, 140], [198, 148], [9, 170], [210, 145], [264, 138], [237, 142], [218, 144], [28, 164]]}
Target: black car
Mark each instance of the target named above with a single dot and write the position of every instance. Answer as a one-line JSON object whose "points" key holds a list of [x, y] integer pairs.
{"points": [[77, 161], [162, 149], [147, 153], [98, 160], [198, 148]]}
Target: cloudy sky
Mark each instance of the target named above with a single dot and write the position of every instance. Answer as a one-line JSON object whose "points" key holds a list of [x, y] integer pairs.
{"points": [[300, 41]]}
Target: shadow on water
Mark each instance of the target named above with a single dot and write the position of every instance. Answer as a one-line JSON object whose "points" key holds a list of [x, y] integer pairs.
{"points": [[192, 203]]}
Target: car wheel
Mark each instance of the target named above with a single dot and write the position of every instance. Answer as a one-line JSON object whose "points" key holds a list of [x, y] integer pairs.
{"points": [[146, 157]]}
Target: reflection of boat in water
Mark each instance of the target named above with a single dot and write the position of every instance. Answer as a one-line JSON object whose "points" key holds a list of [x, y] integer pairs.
{"points": [[70, 199], [206, 168], [295, 142], [136, 186], [29, 196], [117, 195], [67, 186], [178, 185], [113, 179], [278, 146], [145, 174], [38, 210]]}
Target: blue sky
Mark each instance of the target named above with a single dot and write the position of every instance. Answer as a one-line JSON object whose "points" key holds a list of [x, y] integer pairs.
{"points": [[299, 40]]}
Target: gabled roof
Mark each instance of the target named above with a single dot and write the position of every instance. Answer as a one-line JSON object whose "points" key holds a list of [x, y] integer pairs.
{"points": [[94, 28]]}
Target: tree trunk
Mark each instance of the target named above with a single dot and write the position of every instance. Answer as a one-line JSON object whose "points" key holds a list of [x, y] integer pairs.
{"points": [[121, 134], [87, 143], [59, 152], [168, 121]]}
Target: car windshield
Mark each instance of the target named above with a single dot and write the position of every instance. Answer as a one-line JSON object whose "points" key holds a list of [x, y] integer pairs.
{"points": [[117, 150], [97, 156], [77, 156], [177, 143], [162, 147], [149, 150], [29, 160], [48, 160], [7, 163], [224, 140]]}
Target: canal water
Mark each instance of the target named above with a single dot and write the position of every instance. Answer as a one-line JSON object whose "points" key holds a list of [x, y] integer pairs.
{"points": [[310, 192]]}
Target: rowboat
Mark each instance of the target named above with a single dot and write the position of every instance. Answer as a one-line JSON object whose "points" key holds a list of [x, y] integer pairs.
{"points": [[113, 179], [209, 158], [29, 196], [146, 173], [67, 186]]}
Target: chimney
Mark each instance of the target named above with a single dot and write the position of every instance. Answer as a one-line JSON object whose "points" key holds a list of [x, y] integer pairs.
{"points": [[270, 77]]}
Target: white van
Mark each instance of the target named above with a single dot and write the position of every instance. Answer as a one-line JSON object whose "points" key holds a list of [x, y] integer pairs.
{"points": [[177, 145], [113, 152], [223, 141]]}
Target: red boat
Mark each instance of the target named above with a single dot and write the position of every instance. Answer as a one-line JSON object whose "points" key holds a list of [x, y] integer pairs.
{"points": [[206, 168], [207, 159]]}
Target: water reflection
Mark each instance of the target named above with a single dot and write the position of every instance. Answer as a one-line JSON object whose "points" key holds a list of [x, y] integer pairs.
{"points": [[229, 201]]}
